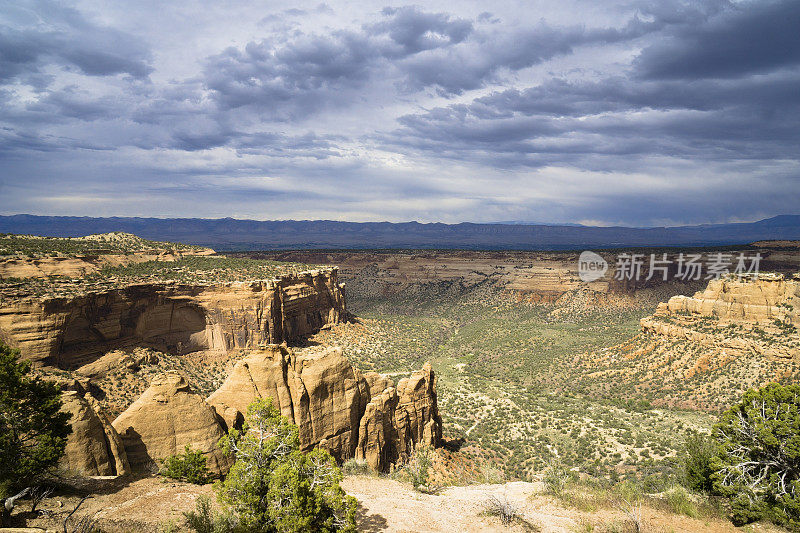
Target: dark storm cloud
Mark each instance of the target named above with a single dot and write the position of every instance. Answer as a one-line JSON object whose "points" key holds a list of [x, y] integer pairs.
{"points": [[413, 30], [292, 78], [751, 37], [49, 33], [582, 123]]}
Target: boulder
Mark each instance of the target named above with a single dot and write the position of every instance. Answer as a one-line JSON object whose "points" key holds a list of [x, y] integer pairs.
{"points": [[166, 418]]}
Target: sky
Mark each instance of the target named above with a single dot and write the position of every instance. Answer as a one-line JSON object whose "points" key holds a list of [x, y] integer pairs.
{"points": [[632, 112]]}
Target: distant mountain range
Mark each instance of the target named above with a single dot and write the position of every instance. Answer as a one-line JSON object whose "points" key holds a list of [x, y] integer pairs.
{"points": [[229, 234]]}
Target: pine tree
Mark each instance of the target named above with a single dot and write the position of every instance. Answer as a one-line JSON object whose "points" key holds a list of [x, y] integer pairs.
{"points": [[33, 430]]}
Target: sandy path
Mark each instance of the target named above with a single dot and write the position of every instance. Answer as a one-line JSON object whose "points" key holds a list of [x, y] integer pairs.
{"points": [[389, 506]]}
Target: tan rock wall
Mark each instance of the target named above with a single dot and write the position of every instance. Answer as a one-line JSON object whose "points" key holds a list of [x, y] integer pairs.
{"points": [[68, 332], [765, 298], [352, 415], [93, 448], [165, 419]]}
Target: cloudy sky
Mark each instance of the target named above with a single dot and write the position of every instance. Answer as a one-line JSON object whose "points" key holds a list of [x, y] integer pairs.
{"points": [[636, 112]]}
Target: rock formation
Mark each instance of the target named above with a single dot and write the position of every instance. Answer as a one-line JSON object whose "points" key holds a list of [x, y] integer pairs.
{"points": [[755, 314], [334, 405], [166, 418], [117, 360], [757, 298], [90, 254], [93, 448], [72, 331]]}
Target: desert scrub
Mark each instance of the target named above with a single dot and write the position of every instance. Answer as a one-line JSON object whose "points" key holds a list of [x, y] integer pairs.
{"points": [[504, 509], [679, 501], [205, 520], [356, 467], [120, 243], [190, 466], [273, 486]]}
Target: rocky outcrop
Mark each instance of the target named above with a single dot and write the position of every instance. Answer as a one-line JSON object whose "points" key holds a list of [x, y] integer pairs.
{"points": [[398, 419], [757, 298], [165, 419], [93, 448], [334, 405], [81, 265], [117, 360], [73, 331], [735, 315]]}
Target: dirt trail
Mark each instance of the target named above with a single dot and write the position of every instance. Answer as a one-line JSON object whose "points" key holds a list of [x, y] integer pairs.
{"points": [[387, 506]]}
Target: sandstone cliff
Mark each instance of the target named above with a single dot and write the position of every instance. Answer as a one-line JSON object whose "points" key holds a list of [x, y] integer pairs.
{"points": [[165, 419], [30, 256], [69, 331], [758, 314], [94, 448], [335, 406], [759, 298]]}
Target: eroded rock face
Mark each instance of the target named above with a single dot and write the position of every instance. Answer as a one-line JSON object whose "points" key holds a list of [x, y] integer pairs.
{"points": [[398, 419], [757, 314], [334, 405], [169, 316], [166, 418], [93, 448], [762, 298]]}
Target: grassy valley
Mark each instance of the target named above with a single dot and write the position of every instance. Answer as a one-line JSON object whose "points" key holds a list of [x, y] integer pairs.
{"points": [[510, 389]]}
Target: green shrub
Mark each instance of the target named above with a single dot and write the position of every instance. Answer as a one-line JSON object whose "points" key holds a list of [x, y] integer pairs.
{"points": [[679, 501], [555, 478], [698, 455], [273, 486], [204, 520], [419, 467], [758, 467], [190, 466], [355, 467]]}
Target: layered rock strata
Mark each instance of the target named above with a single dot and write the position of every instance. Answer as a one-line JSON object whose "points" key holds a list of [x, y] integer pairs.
{"points": [[334, 405], [72, 331], [736, 315], [759, 298]]}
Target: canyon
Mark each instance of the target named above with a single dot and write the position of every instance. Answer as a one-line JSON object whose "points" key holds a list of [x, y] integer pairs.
{"points": [[80, 330], [532, 364]]}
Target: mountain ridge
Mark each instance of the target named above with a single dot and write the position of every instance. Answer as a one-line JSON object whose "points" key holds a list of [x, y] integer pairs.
{"points": [[229, 234]]}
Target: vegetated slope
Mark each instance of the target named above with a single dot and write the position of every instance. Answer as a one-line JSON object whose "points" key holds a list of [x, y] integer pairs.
{"points": [[561, 373], [231, 234], [506, 368], [704, 351], [31, 256]]}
